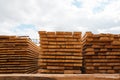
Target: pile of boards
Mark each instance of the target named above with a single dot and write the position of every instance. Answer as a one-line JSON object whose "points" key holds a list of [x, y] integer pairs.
{"points": [[61, 52], [101, 53], [18, 55]]}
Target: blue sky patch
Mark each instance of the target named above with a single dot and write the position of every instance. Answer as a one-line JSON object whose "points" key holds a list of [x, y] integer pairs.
{"points": [[23, 28], [101, 7], [77, 3], [26, 26]]}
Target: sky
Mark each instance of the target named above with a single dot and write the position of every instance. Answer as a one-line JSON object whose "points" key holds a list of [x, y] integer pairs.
{"points": [[27, 17]]}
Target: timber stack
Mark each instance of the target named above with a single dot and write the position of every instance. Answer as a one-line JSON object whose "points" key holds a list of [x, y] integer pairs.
{"points": [[101, 53], [18, 55], [61, 52]]}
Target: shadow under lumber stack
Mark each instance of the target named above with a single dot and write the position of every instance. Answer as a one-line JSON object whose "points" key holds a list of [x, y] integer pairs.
{"points": [[101, 53], [18, 55], [60, 52]]}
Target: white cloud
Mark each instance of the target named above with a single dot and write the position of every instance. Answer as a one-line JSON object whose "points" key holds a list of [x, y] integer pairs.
{"points": [[62, 15], [114, 30]]}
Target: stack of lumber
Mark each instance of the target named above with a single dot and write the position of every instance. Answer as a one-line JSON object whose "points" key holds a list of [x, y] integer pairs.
{"points": [[60, 52], [101, 53], [18, 55]]}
